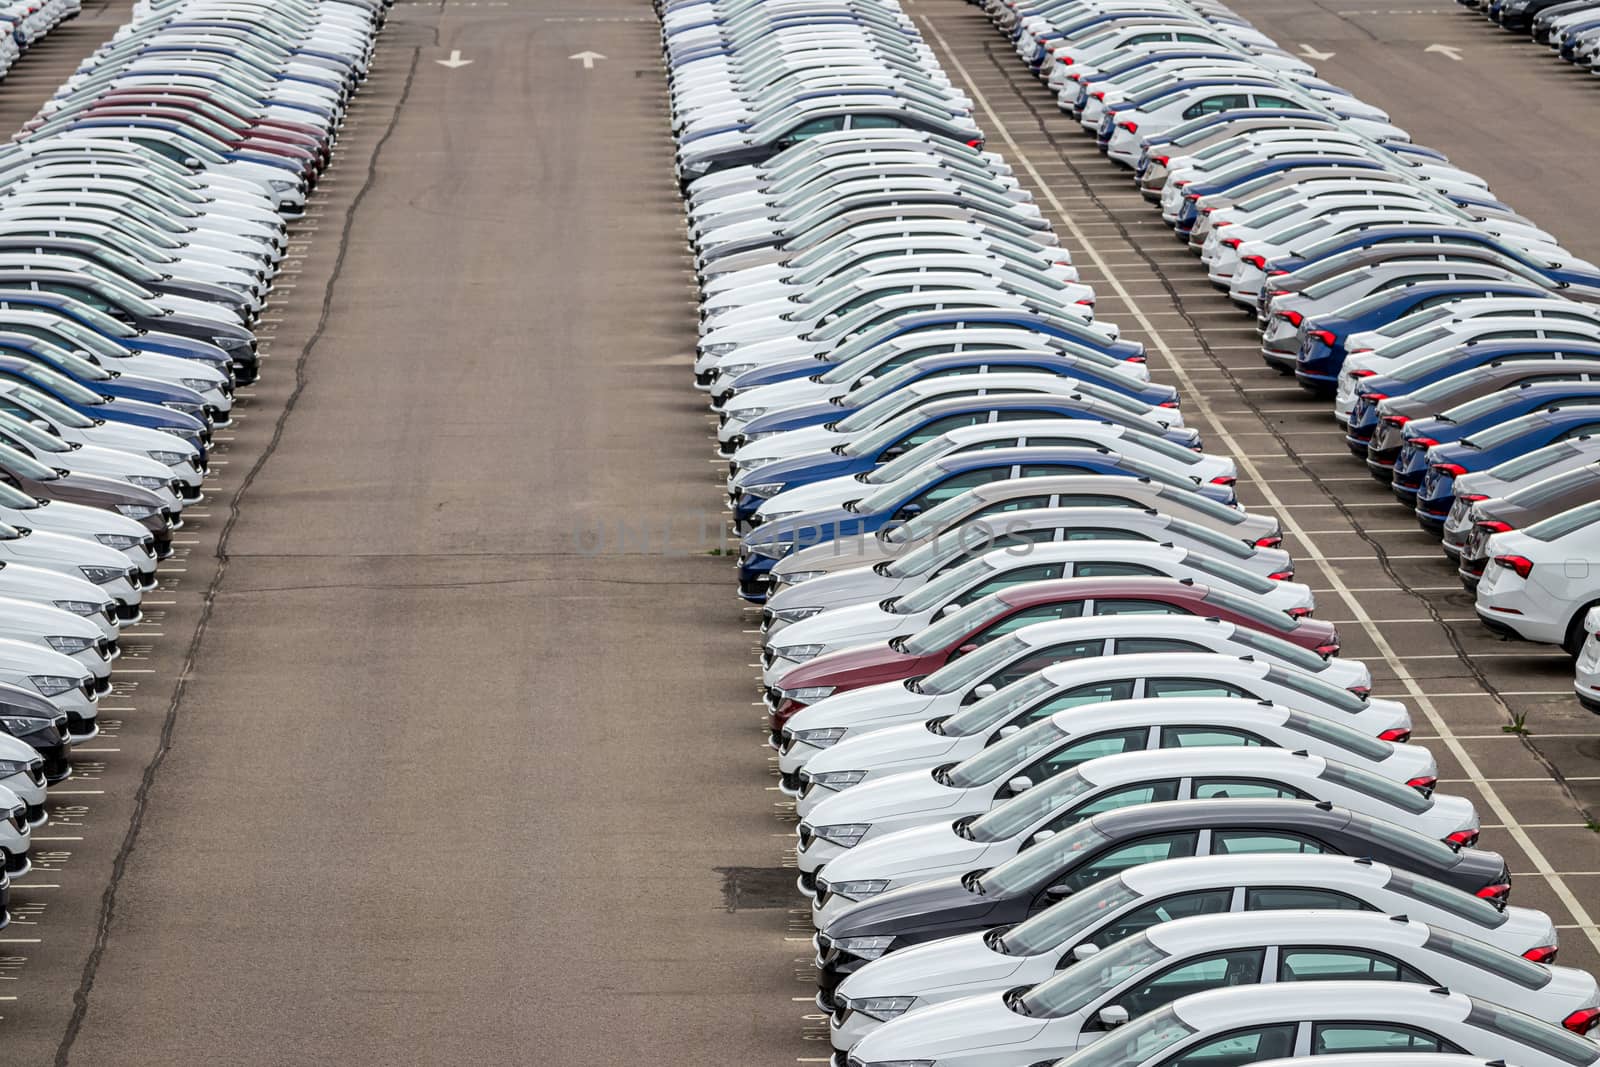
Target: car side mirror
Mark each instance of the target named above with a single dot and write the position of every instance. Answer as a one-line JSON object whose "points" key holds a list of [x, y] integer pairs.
{"points": [[964, 649], [987, 689], [1020, 784], [1059, 891], [1113, 1016], [1010, 731], [948, 609], [1085, 950], [1041, 837], [910, 511], [191, 161], [866, 379]]}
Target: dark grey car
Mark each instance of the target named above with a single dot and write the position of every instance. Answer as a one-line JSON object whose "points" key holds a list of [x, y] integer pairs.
{"points": [[1521, 509], [1110, 843]]}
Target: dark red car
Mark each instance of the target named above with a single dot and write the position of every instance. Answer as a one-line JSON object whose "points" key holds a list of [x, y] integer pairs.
{"points": [[233, 139], [1011, 609], [241, 125]]}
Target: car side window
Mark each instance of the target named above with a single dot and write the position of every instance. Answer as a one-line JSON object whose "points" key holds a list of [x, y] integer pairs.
{"points": [[1045, 657], [1255, 842], [1135, 607], [1331, 1038], [1119, 858], [1580, 431], [1327, 964], [1111, 569], [1113, 800], [1088, 533], [1248, 788], [1238, 1047], [1180, 906], [1133, 646], [1208, 737], [874, 122], [1093, 747], [957, 484], [1017, 503], [1300, 898], [929, 432], [1046, 470], [1240, 967], [1192, 687], [1263, 100], [1093, 693], [1092, 500], [807, 130], [1213, 104], [1038, 572], [1069, 609]]}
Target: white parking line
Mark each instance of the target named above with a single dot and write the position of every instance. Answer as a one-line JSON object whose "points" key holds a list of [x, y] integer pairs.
{"points": [[1247, 465]]}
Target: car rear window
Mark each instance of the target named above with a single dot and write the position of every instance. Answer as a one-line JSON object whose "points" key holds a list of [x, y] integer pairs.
{"points": [[1567, 522]]}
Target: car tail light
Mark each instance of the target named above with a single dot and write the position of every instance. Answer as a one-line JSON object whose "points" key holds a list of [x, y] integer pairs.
{"points": [[1498, 891], [1521, 564], [1582, 1020], [1454, 470], [1209, 210], [1275, 273], [1281, 576], [1294, 318], [1101, 95], [1136, 359], [1375, 397], [1258, 262], [1271, 541], [1191, 196], [1358, 351], [1131, 127], [1397, 420], [1224, 479], [1161, 160], [1329, 649], [1466, 839], [1362, 373], [976, 142], [1494, 526], [1399, 735], [1421, 442], [1220, 223], [1542, 954], [1364, 691], [1233, 242], [1325, 336], [1471, 498], [1168, 404], [1065, 61], [1423, 784]]}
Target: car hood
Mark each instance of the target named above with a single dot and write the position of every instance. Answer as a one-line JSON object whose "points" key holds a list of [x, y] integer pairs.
{"points": [[804, 473], [898, 796], [864, 707], [776, 396], [801, 417], [914, 854], [75, 520], [958, 1026], [915, 909], [837, 590], [786, 444], [37, 619], [949, 963], [816, 495], [852, 625], [36, 659], [19, 581], [41, 547], [892, 750]]}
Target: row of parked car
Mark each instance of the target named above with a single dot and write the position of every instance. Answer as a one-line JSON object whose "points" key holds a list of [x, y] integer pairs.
{"points": [[143, 215], [24, 23], [1458, 341], [1570, 27], [1071, 754]]}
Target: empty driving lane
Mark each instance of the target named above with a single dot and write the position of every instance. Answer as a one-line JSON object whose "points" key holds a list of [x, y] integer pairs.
{"points": [[467, 772], [1398, 607]]}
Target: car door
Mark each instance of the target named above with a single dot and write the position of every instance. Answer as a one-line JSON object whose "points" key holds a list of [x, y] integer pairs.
{"points": [[1218, 970], [1236, 1048], [1093, 746], [1034, 661], [1176, 906]]}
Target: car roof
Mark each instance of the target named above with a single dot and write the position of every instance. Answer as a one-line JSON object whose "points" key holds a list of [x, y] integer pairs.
{"points": [[1228, 1009], [1266, 868], [1242, 811], [1084, 588]]}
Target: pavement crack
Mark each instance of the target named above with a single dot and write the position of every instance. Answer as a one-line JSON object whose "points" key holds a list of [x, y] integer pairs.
{"points": [[108, 900]]}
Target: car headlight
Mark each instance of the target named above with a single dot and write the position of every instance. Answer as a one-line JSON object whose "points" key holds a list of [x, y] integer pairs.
{"points": [[757, 463], [697, 166], [101, 575], [20, 726], [722, 348], [806, 694], [281, 185], [119, 541], [747, 414], [884, 1009], [137, 511], [796, 577], [764, 489], [68, 645], [192, 436], [845, 835], [231, 344], [733, 370], [146, 481], [168, 459], [798, 653], [199, 385], [8, 767], [769, 550], [868, 948], [186, 409], [823, 738], [52, 684], [78, 607], [794, 614], [837, 779]]}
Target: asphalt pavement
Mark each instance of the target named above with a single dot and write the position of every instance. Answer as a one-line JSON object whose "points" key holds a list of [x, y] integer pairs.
{"points": [[465, 766]]}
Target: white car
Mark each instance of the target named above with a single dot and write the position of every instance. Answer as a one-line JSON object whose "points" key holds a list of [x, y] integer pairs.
{"points": [[1002, 568], [1148, 971], [16, 833], [1586, 671], [999, 501], [77, 596], [1145, 896], [61, 630], [1072, 683], [1459, 313], [1278, 1020], [1541, 582], [968, 705], [59, 678], [909, 834]]}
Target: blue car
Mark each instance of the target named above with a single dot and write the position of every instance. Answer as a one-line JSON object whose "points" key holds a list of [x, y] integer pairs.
{"points": [[1236, 180], [1321, 352], [166, 344], [90, 404], [935, 483], [1487, 448], [906, 431], [1409, 462], [93, 376], [1108, 121], [1433, 234], [1425, 371]]}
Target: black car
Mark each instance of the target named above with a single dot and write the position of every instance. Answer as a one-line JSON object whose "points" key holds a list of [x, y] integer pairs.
{"points": [[32, 719], [1110, 843]]}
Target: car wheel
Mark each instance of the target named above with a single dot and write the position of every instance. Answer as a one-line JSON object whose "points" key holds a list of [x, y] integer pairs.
{"points": [[1573, 642]]}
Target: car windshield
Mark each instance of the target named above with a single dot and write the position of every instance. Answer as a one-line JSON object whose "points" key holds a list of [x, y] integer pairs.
{"points": [[987, 766], [1339, 735], [888, 497], [12, 459], [1192, 501], [1022, 811], [1496, 961], [1557, 526], [875, 410], [1556, 486], [998, 706], [1377, 787], [1235, 576], [1279, 649], [62, 330], [63, 386], [907, 462], [31, 435], [942, 634], [1322, 692], [1405, 843], [1328, 286], [1534, 1033], [1077, 986], [1214, 541], [51, 409], [1144, 1038], [1056, 924], [963, 671], [944, 587], [1047, 859], [1415, 321], [1447, 898], [1502, 432], [1259, 616]]}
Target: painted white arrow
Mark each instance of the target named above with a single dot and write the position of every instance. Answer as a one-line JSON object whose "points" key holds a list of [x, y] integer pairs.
{"points": [[454, 61], [1311, 53], [588, 59], [1445, 50]]}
